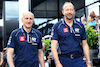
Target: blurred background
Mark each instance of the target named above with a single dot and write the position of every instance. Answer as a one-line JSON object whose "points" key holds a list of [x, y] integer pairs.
{"points": [[46, 12]]}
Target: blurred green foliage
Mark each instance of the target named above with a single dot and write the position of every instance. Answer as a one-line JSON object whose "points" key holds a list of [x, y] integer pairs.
{"points": [[91, 36], [47, 43]]}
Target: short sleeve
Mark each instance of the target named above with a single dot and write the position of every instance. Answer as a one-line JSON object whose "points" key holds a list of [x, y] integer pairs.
{"points": [[11, 41], [84, 34], [40, 42], [54, 33]]}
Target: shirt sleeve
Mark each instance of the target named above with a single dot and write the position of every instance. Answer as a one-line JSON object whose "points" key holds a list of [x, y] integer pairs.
{"points": [[54, 33], [40, 43], [84, 34], [11, 41]]}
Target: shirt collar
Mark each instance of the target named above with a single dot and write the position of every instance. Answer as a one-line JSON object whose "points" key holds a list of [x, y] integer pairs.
{"points": [[63, 22], [23, 31]]}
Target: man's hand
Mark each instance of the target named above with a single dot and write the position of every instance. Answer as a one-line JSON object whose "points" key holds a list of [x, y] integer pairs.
{"points": [[59, 65]]}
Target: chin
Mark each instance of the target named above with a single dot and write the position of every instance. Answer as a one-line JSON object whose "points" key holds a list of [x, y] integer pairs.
{"points": [[69, 18], [28, 26]]}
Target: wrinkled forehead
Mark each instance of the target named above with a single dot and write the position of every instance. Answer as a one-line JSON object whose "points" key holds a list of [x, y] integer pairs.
{"points": [[28, 15]]}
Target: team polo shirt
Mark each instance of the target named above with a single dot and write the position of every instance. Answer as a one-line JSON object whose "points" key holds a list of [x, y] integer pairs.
{"points": [[69, 39], [26, 53]]}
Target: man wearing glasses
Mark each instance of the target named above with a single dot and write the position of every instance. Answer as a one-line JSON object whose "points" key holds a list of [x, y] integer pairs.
{"points": [[69, 33], [26, 44]]}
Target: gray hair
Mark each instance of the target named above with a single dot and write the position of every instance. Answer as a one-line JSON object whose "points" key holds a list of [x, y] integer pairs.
{"points": [[27, 12], [66, 4]]}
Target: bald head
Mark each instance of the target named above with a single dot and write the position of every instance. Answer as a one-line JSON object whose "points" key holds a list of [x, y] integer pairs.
{"points": [[27, 13], [68, 10], [67, 3]]}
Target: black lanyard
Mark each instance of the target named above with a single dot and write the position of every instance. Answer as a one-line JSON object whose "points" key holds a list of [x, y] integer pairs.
{"points": [[29, 39], [71, 28]]}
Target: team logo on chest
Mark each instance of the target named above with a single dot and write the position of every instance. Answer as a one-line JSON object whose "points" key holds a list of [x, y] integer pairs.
{"points": [[33, 39], [77, 30], [65, 30], [22, 38]]}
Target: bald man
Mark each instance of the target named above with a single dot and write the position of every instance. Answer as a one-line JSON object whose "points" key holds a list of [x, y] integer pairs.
{"points": [[69, 33], [26, 44]]}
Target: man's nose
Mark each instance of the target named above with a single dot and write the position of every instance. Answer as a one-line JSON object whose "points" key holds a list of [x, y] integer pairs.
{"points": [[28, 20], [69, 11]]}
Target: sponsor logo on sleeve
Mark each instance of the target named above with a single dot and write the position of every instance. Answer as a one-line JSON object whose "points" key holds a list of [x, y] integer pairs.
{"points": [[9, 41]]}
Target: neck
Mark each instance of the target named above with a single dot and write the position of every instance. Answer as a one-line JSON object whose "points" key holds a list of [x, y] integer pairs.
{"points": [[27, 29], [69, 22]]}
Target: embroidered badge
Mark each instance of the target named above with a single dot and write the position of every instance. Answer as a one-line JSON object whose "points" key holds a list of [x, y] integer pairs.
{"points": [[65, 30], [22, 38], [77, 30], [33, 39]]}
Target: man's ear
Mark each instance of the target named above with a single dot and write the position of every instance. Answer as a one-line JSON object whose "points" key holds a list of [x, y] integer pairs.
{"points": [[74, 11], [22, 20], [33, 21], [63, 12]]}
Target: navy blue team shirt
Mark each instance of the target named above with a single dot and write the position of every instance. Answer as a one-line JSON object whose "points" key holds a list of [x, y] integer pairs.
{"points": [[26, 54], [69, 39]]}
